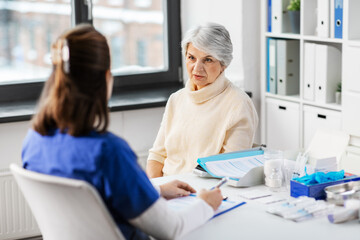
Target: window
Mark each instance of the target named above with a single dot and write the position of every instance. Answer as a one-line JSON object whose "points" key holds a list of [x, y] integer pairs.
{"points": [[26, 29], [144, 39]]}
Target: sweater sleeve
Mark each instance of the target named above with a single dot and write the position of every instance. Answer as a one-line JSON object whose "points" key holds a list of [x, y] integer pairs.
{"points": [[158, 151], [242, 128], [178, 223]]}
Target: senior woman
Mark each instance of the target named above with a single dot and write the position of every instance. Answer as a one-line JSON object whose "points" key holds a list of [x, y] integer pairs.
{"points": [[210, 115]]}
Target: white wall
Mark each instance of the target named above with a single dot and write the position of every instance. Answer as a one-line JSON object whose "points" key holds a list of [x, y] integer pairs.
{"points": [[225, 12], [11, 137], [138, 127]]}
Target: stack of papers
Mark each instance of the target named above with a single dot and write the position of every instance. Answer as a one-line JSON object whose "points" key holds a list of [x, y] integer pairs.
{"points": [[235, 168], [254, 194], [326, 165], [183, 202], [260, 196], [244, 168]]}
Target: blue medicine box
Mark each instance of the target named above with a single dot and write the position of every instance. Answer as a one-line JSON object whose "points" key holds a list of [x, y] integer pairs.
{"points": [[317, 190]]}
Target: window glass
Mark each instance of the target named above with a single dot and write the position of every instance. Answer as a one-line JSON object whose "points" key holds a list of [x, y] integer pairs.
{"points": [[137, 34], [143, 3], [143, 35], [27, 30]]}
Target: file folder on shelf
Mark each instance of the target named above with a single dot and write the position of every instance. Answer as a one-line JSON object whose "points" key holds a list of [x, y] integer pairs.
{"points": [[323, 19], [327, 72], [338, 18], [287, 66], [280, 21], [272, 66], [269, 16], [244, 168], [332, 18], [309, 71], [267, 65]]}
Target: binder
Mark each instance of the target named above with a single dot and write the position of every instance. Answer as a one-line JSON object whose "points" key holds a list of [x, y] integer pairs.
{"points": [[338, 26], [323, 19], [280, 21], [332, 18], [269, 16], [287, 70], [309, 71], [267, 65], [272, 66], [327, 72]]}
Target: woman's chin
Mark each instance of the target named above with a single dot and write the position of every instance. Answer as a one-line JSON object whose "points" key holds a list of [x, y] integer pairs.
{"points": [[200, 82]]}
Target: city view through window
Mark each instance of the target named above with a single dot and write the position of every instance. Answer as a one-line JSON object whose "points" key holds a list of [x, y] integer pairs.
{"points": [[135, 31]]}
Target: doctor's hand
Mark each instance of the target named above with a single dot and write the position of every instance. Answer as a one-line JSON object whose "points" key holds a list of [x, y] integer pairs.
{"points": [[175, 189], [211, 197]]}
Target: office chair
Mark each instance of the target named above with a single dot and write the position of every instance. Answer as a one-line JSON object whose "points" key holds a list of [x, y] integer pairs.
{"points": [[66, 208]]}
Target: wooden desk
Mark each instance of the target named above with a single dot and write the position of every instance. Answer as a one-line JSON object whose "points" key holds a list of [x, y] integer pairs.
{"points": [[252, 222]]}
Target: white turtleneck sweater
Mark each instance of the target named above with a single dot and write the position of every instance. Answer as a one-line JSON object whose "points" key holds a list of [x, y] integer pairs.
{"points": [[216, 119]]}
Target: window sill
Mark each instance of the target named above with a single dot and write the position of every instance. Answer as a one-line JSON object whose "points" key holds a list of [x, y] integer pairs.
{"points": [[128, 99]]}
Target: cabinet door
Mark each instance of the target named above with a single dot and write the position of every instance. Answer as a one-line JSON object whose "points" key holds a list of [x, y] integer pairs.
{"points": [[352, 68], [318, 118], [282, 124], [351, 112], [351, 90], [351, 160]]}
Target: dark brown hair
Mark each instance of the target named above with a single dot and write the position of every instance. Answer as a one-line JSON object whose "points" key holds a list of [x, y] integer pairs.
{"points": [[74, 98]]}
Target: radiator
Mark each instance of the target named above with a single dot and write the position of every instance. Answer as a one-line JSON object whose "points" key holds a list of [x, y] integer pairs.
{"points": [[16, 219]]}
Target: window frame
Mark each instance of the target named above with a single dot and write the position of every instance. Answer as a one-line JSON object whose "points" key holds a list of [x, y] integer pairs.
{"points": [[12, 93]]}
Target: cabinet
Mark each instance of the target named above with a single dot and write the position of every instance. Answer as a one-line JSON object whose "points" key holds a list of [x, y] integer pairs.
{"points": [[324, 60], [282, 126], [351, 93], [315, 118]]}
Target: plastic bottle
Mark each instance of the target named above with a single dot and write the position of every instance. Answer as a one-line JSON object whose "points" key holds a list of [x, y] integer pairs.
{"points": [[275, 180]]}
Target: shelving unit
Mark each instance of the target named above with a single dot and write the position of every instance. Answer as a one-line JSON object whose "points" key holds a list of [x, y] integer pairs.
{"points": [[283, 35], [292, 129]]}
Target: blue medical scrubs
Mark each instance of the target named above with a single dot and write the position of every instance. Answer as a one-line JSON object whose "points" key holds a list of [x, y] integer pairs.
{"points": [[105, 161]]}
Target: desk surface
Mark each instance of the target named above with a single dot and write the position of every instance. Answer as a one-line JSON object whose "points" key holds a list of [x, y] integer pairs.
{"points": [[251, 221]]}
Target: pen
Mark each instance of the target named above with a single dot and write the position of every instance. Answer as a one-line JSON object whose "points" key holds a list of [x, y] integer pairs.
{"points": [[220, 183]]}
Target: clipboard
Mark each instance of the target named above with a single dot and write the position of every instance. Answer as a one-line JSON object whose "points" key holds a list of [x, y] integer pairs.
{"points": [[244, 168]]}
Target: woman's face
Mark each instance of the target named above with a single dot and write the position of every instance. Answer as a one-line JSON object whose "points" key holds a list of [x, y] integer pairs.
{"points": [[203, 69]]}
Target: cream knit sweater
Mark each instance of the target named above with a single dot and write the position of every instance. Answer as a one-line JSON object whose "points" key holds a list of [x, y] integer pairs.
{"points": [[215, 119]]}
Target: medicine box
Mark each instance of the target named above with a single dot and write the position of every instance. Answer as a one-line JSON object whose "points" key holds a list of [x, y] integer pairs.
{"points": [[317, 190]]}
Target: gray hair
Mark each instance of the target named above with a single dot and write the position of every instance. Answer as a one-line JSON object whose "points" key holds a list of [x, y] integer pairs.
{"points": [[211, 38]]}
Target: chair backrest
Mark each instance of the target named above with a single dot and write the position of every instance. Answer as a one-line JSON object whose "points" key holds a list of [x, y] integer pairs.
{"points": [[65, 208]]}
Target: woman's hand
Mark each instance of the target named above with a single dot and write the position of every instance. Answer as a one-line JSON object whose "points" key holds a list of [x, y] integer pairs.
{"points": [[176, 189], [211, 197]]}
